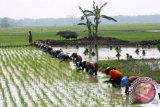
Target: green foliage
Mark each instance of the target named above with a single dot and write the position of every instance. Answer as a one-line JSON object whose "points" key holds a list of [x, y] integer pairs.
{"points": [[96, 13], [93, 53], [143, 52], [137, 51], [86, 51], [134, 67], [118, 55], [129, 57]]}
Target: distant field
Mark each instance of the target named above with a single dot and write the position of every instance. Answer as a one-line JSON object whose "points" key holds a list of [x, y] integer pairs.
{"points": [[132, 32]]}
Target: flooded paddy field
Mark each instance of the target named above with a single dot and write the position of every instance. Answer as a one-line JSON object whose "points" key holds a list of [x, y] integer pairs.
{"points": [[30, 78], [110, 53]]}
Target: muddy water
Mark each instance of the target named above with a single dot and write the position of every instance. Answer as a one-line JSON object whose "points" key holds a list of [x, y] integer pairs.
{"points": [[116, 95], [105, 53]]}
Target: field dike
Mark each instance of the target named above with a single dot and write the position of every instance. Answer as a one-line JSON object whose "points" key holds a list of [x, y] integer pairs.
{"points": [[30, 78]]}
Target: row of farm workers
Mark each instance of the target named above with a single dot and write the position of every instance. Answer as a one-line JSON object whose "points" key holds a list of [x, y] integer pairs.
{"points": [[117, 78]]}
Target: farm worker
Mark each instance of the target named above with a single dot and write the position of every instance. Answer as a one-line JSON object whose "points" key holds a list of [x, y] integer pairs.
{"points": [[30, 37], [130, 80], [47, 49], [59, 56], [90, 67], [76, 57], [54, 53], [115, 76], [36, 44], [81, 64], [65, 57], [42, 45]]}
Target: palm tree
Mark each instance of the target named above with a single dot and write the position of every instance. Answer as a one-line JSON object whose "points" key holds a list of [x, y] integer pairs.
{"points": [[96, 13], [88, 22]]}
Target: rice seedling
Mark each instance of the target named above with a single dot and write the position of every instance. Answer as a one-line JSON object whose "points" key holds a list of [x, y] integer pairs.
{"points": [[93, 53], [118, 55], [137, 51], [129, 57], [143, 52], [110, 47], [86, 51], [3, 95], [77, 46], [43, 81]]}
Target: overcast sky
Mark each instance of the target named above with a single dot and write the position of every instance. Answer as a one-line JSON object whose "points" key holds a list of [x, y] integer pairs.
{"points": [[69, 8]]}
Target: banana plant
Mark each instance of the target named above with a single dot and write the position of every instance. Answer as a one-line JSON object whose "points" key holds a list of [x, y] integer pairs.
{"points": [[88, 23], [96, 13]]}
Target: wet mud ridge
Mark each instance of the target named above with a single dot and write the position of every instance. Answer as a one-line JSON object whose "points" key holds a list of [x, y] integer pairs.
{"points": [[102, 41]]}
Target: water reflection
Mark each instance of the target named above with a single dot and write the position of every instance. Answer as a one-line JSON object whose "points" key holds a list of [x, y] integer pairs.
{"points": [[108, 53]]}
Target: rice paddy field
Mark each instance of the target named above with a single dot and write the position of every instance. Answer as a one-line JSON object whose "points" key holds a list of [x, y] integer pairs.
{"points": [[30, 78]]}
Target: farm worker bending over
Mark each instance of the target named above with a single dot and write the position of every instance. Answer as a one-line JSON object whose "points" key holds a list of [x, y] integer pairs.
{"points": [[115, 76], [81, 65], [76, 57], [130, 80], [59, 56], [90, 67], [65, 57]]}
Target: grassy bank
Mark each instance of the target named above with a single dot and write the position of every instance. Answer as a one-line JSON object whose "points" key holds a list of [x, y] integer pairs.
{"points": [[131, 32], [148, 68]]}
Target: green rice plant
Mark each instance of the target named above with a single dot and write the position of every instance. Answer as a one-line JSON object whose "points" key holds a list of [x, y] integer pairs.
{"points": [[3, 95], [137, 51], [19, 90], [129, 57], [98, 103], [86, 51], [29, 96], [57, 97], [46, 96], [118, 49], [42, 101], [143, 52], [118, 55], [77, 47], [93, 53], [110, 47], [9, 89], [10, 94]]}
